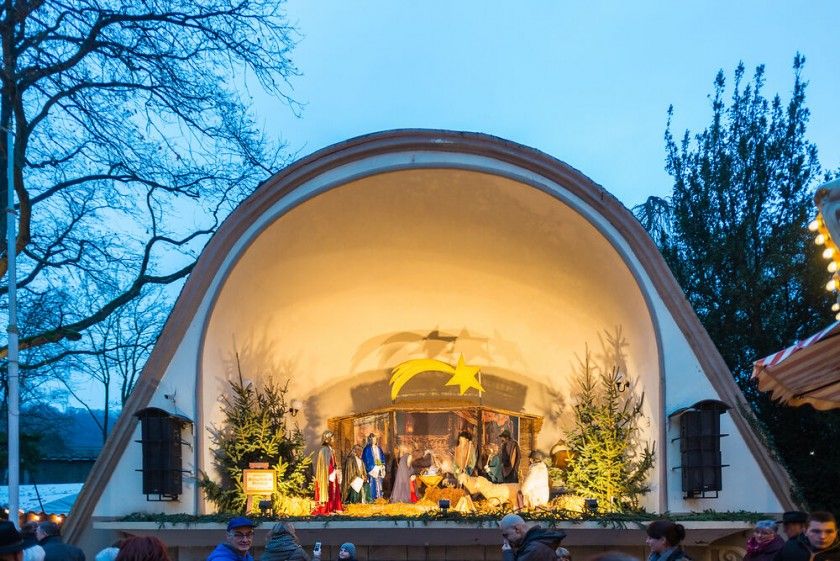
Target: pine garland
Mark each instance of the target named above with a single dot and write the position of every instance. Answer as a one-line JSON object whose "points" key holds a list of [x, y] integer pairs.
{"points": [[255, 430]]}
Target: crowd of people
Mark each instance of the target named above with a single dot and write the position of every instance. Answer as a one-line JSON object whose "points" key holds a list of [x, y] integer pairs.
{"points": [[797, 537]]}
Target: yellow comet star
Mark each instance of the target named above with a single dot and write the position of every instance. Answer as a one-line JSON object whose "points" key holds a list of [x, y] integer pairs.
{"points": [[463, 375]]}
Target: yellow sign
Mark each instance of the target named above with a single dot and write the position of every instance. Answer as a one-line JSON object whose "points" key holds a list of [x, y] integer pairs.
{"points": [[259, 481], [463, 375]]}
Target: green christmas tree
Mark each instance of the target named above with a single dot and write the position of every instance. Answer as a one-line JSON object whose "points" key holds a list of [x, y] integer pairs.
{"points": [[608, 461], [255, 430]]}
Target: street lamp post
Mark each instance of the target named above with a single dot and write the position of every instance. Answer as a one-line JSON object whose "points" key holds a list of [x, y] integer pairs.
{"points": [[12, 332]]}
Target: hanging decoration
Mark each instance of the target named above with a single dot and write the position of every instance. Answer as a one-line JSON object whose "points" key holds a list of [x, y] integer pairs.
{"points": [[463, 375]]}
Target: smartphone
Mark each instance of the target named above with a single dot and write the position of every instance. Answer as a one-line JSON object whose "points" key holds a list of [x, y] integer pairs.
{"points": [[317, 548]]}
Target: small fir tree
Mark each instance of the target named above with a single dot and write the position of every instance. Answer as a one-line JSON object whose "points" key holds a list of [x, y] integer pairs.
{"points": [[608, 462], [255, 430]]}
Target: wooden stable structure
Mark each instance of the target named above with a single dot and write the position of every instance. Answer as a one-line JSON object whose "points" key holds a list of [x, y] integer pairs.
{"points": [[434, 426]]}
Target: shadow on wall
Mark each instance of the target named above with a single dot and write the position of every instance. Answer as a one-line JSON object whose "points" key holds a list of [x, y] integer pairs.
{"points": [[258, 358], [391, 349]]}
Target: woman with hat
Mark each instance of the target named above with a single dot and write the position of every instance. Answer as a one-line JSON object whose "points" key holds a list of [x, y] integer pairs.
{"points": [[11, 542], [764, 543]]}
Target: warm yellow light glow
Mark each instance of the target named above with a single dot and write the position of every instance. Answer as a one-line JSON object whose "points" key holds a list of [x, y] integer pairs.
{"points": [[837, 317], [834, 308], [832, 267], [463, 375], [831, 285], [820, 239], [814, 225], [828, 252]]}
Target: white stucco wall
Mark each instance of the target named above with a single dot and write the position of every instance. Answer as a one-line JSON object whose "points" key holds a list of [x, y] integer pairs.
{"points": [[419, 241]]}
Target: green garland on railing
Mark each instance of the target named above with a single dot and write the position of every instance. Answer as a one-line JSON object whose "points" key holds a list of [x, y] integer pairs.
{"points": [[614, 520]]}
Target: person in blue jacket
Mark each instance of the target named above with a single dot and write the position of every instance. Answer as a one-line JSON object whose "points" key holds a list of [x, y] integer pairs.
{"points": [[237, 546]]}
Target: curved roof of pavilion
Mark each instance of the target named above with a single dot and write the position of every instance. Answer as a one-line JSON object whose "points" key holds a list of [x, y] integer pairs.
{"points": [[457, 144]]}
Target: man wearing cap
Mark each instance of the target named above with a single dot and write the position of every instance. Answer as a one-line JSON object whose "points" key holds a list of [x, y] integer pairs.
{"points": [[509, 454], [240, 536], [793, 523], [818, 543], [49, 538], [11, 542]]}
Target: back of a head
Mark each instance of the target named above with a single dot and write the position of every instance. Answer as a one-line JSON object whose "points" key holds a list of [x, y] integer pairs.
{"points": [[49, 528], [562, 553], [279, 528], [28, 528], [143, 548], [822, 517], [672, 532]]}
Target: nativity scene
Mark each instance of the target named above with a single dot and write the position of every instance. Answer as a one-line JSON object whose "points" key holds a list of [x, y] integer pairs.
{"points": [[431, 324]]}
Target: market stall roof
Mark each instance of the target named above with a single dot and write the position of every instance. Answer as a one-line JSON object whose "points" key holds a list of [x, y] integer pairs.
{"points": [[806, 372]]}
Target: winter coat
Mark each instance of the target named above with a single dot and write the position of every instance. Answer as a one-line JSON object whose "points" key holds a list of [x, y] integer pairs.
{"points": [[57, 550], [537, 545], [281, 546], [799, 549], [765, 552], [226, 552], [674, 554]]}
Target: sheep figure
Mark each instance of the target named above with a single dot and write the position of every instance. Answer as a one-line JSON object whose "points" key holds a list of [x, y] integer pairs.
{"points": [[495, 493]]}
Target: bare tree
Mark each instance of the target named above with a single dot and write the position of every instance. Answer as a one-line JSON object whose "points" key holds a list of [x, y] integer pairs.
{"points": [[133, 140], [117, 350]]}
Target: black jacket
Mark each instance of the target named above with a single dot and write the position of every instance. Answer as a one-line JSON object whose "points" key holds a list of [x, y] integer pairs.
{"points": [[57, 550], [799, 549], [537, 545]]}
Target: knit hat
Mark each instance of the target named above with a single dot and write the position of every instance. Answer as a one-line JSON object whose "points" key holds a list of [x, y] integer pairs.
{"points": [[794, 517], [766, 525], [349, 548]]}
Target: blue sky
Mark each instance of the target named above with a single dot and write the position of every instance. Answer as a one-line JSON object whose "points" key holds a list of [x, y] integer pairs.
{"points": [[586, 82]]}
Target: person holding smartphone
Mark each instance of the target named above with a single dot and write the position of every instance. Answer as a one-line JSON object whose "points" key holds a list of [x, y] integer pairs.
{"points": [[282, 545]]}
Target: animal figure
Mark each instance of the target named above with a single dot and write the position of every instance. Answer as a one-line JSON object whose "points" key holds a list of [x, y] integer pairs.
{"points": [[497, 493]]}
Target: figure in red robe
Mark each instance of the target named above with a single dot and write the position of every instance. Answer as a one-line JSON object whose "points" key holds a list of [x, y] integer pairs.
{"points": [[327, 478]]}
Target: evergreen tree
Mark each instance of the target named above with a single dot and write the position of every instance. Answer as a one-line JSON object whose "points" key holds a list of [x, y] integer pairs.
{"points": [[734, 232], [608, 461], [255, 430]]}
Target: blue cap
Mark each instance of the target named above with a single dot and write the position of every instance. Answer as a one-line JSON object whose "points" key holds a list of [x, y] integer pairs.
{"points": [[239, 522], [349, 548]]}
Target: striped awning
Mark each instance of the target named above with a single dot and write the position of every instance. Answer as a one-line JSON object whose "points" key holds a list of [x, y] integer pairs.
{"points": [[806, 372]]}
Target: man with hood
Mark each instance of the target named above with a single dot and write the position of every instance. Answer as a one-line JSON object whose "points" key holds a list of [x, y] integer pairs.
{"points": [[819, 542], [528, 543], [237, 547], [283, 545]]}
